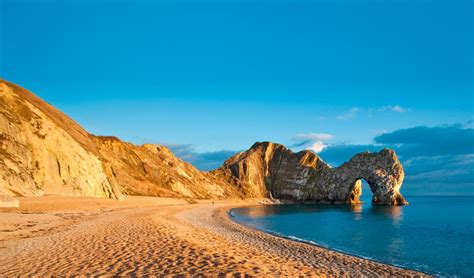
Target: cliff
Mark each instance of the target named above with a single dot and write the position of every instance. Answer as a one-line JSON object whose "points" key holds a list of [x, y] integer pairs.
{"points": [[153, 170], [42, 151], [271, 170]]}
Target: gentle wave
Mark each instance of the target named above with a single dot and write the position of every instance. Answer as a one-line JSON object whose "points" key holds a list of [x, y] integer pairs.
{"points": [[414, 266]]}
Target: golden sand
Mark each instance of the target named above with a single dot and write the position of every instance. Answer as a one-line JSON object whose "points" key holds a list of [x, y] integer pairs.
{"points": [[156, 236]]}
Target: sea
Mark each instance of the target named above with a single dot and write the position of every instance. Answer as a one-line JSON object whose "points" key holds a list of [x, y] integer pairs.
{"points": [[434, 234]]}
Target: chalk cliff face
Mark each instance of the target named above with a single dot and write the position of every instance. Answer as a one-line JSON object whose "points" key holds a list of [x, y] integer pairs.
{"points": [[271, 170], [42, 151]]}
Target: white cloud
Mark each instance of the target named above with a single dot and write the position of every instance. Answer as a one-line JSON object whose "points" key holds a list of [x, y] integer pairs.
{"points": [[317, 146], [371, 112], [398, 109], [313, 136], [311, 141], [393, 108], [349, 114]]}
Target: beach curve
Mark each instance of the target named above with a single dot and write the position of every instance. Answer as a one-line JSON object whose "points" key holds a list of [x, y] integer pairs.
{"points": [[153, 236]]}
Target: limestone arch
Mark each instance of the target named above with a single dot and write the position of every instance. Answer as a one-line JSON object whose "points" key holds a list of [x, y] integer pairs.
{"points": [[382, 192], [357, 191]]}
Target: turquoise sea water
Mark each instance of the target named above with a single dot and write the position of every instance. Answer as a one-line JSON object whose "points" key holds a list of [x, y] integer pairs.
{"points": [[434, 234]]}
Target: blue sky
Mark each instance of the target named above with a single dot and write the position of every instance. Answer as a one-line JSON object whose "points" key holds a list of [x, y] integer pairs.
{"points": [[209, 78]]}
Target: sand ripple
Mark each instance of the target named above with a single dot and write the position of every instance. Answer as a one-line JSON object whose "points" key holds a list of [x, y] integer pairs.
{"points": [[180, 240]]}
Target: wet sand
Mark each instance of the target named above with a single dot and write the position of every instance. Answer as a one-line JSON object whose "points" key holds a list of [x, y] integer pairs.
{"points": [[156, 236]]}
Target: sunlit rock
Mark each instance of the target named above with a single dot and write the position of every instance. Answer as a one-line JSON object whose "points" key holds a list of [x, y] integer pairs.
{"points": [[271, 170], [43, 151], [7, 201]]}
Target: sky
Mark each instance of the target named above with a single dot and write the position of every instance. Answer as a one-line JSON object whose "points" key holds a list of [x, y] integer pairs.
{"points": [[210, 78]]}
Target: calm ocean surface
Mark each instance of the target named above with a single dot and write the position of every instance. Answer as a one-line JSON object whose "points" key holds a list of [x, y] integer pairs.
{"points": [[434, 234]]}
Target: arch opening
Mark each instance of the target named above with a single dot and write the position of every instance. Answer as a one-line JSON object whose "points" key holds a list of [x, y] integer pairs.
{"points": [[356, 195]]}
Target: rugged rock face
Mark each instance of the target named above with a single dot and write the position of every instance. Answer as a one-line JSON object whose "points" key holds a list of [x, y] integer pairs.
{"points": [[153, 170], [42, 151], [382, 171], [271, 170]]}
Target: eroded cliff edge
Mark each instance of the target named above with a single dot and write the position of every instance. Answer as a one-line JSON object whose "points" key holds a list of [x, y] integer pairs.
{"points": [[273, 171], [43, 151]]}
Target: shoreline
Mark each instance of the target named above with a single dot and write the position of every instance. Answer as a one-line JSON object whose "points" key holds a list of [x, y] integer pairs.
{"points": [[225, 216], [157, 236], [312, 243]]}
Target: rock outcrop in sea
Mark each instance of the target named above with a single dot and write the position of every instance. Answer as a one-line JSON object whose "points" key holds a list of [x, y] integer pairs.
{"points": [[43, 151], [273, 171]]}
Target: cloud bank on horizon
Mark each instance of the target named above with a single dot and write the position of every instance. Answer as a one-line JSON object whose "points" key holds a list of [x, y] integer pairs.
{"points": [[437, 159]]}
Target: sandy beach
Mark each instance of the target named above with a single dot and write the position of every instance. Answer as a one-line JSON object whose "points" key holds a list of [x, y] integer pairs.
{"points": [[156, 236]]}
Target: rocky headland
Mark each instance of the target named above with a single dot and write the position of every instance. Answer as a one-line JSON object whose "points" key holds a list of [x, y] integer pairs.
{"points": [[44, 152], [269, 170]]}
